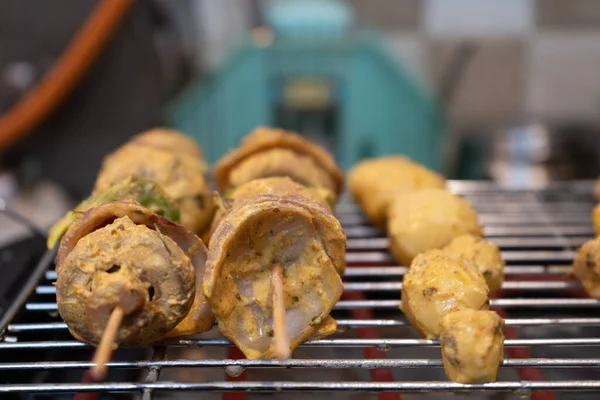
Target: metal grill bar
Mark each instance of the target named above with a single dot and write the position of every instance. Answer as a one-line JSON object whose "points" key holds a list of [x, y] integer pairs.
{"points": [[522, 388], [382, 344], [355, 323], [396, 286], [299, 363], [392, 304]]}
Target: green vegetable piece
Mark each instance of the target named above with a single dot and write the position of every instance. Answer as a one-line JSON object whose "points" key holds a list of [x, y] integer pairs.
{"points": [[142, 190]]}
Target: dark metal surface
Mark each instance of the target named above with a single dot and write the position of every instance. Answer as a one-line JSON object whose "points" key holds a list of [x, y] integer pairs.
{"points": [[537, 231]]}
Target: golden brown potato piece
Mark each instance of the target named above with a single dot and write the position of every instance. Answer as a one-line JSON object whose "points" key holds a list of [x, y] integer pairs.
{"points": [[438, 283], [485, 255], [472, 345], [170, 140], [374, 183], [229, 172], [180, 177], [586, 267], [428, 219], [299, 235], [596, 219]]}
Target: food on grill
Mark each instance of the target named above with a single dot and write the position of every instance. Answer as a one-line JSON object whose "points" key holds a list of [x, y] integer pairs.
{"points": [[169, 140], [281, 186], [597, 189], [596, 219], [485, 255], [428, 219], [258, 240], [180, 175], [438, 283], [374, 183], [121, 255], [144, 191], [268, 152], [472, 345], [586, 267]]}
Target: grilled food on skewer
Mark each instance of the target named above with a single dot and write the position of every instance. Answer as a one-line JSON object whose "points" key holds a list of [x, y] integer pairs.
{"points": [[169, 140], [121, 254], [586, 267], [178, 173], [374, 183], [485, 255], [270, 152], [281, 186], [472, 345], [428, 219], [144, 191], [251, 240], [438, 283]]}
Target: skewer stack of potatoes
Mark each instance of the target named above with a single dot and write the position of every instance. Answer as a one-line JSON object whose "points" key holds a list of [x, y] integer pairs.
{"points": [[452, 268]]}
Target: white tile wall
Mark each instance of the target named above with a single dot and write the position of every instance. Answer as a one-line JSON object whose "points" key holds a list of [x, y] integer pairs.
{"points": [[452, 18], [409, 50], [564, 76]]}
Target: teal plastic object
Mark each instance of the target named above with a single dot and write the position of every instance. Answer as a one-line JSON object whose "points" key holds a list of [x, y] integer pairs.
{"points": [[383, 108]]}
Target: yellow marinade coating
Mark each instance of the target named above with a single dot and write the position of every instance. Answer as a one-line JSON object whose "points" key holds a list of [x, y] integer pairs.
{"points": [[586, 267], [428, 219], [375, 183], [438, 283], [472, 345], [485, 255]]}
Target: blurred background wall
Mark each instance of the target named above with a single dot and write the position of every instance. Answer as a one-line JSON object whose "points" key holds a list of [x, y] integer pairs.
{"points": [[537, 58]]}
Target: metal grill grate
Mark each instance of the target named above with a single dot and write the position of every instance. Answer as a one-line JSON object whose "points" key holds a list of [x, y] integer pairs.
{"points": [[552, 328]]}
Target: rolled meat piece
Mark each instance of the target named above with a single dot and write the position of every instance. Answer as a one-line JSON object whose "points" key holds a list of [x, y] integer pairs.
{"points": [[472, 345], [170, 140], [268, 152], [280, 186], [428, 219], [374, 183], [251, 242], [144, 191], [121, 254], [181, 178], [438, 283], [597, 189], [485, 255], [586, 267]]}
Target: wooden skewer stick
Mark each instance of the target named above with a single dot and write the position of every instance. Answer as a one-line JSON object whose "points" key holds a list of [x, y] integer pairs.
{"points": [[282, 343], [104, 350]]}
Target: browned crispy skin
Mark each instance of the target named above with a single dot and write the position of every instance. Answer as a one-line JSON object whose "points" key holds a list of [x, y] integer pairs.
{"points": [[122, 254], [267, 139], [300, 235]]}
